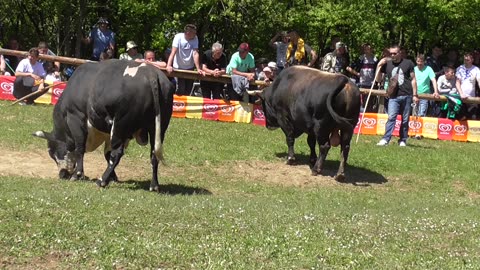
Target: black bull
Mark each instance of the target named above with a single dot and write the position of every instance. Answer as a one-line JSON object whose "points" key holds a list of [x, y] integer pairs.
{"points": [[304, 100], [110, 102]]}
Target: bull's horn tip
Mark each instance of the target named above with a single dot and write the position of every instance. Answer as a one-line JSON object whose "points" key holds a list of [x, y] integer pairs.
{"points": [[253, 92], [39, 133]]}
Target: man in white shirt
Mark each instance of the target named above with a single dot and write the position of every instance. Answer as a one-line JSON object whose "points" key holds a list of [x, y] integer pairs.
{"points": [[30, 78], [185, 56], [467, 76]]}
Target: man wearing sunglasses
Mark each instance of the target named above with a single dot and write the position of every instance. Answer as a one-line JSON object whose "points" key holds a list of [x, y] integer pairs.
{"points": [[406, 92]]}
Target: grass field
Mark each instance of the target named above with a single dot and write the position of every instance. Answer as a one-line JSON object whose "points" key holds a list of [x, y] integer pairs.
{"points": [[228, 201]]}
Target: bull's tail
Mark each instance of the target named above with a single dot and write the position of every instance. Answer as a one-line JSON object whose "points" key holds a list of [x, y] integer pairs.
{"points": [[158, 145], [342, 122]]}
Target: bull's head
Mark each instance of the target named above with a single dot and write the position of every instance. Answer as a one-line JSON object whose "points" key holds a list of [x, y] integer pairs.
{"points": [[57, 150], [268, 110]]}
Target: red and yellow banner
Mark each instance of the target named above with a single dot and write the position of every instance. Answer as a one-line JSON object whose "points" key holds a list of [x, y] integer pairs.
{"points": [[234, 111]]}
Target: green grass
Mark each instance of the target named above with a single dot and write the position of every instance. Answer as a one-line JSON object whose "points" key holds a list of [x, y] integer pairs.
{"points": [[404, 208]]}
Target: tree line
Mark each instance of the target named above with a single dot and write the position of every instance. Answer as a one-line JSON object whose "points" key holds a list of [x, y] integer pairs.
{"points": [[414, 24]]}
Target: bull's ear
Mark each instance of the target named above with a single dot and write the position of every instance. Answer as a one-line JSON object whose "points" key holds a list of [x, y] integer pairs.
{"points": [[42, 134]]}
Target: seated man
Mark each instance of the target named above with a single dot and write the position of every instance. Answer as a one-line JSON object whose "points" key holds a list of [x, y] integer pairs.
{"points": [[30, 78], [131, 52], [242, 69]]}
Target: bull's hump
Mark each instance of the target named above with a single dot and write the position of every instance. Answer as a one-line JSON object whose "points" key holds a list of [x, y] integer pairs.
{"points": [[132, 71], [305, 69]]}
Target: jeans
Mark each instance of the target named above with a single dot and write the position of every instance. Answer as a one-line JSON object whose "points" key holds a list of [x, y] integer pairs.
{"points": [[399, 105], [422, 107]]}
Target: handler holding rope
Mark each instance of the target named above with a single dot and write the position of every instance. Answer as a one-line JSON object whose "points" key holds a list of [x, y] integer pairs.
{"points": [[30, 78]]}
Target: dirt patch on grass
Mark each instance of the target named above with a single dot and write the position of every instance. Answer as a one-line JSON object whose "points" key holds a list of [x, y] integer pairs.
{"points": [[50, 261], [38, 164], [278, 173], [460, 187]]}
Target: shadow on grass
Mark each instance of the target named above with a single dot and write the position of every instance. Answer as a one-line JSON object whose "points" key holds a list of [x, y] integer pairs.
{"points": [[168, 189], [354, 175]]}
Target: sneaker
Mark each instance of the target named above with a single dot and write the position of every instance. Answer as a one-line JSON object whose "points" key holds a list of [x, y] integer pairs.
{"points": [[382, 142], [402, 144], [22, 103]]}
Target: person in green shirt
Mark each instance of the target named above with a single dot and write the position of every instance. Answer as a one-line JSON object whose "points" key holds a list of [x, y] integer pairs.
{"points": [[242, 70], [424, 75]]}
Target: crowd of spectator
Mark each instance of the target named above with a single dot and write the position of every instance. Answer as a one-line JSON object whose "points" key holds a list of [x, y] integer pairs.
{"points": [[437, 73]]}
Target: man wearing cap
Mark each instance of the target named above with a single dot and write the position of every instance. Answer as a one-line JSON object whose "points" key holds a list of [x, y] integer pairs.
{"points": [[102, 37], [185, 56], [242, 69], [131, 52], [336, 61]]}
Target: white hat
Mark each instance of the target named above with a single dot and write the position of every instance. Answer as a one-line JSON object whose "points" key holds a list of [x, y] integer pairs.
{"points": [[272, 65], [267, 69], [131, 45]]}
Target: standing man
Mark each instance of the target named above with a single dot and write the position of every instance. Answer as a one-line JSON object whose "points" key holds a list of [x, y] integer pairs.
{"points": [[364, 70], [214, 63], [185, 56], [336, 61], [281, 49], [298, 52], [468, 76], [102, 37], [424, 76], [30, 78], [406, 91]]}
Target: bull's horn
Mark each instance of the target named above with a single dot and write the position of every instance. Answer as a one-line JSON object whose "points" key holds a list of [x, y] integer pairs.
{"points": [[254, 92], [41, 134]]}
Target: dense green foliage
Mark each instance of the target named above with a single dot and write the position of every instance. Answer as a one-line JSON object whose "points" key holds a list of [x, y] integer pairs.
{"points": [[416, 24]]}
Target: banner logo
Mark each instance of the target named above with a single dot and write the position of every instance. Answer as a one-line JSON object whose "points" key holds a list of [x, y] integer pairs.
{"points": [[445, 127], [382, 122], [259, 114], [461, 129], [475, 130], [178, 106], [369, 122], [57, 91], [227, 109], [415, 125], [210, 108], [398, 123], [431, 126], [7, 87]]}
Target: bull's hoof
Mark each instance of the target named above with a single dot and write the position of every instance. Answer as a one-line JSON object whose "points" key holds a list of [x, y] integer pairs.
{"points": [[290, 161], [314, 173], [101, 183], [340, 177], [78, 177], [114, 179], [155, 188]]}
